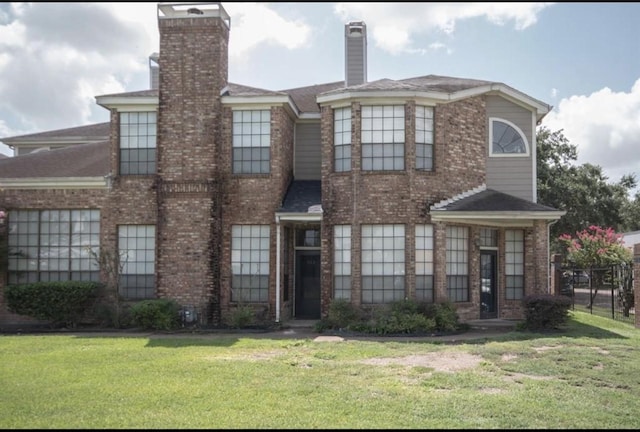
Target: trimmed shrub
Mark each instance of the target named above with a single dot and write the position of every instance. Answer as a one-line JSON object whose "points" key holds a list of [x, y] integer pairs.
{"points": [[445, 315], [157, 314], [241, 316], [545, 311], [342, 313], [399, 317], [62, 303]]}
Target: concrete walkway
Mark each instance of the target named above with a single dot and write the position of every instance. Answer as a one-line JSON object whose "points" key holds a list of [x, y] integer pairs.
{"points": [[295, 329]]}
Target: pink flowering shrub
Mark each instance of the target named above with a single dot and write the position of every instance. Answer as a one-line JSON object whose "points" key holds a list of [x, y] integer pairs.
{"points": [[595, 247]]}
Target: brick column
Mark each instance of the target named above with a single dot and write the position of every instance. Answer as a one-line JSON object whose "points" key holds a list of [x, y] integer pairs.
{"points": [[636, 281]]}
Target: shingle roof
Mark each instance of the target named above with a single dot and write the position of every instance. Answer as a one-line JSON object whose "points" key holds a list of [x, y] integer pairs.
{"points": [[301, 195], [434, 83], [82, 160], [96, 131], [305, 97], [492, 200], [140, 93], [242, 90]]}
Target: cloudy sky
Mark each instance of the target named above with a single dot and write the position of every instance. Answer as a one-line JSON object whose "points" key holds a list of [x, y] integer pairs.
{"points": [[581, 58]]}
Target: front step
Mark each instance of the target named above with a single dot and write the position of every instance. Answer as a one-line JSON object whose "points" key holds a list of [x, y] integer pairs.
{"points": [[300, 323]]}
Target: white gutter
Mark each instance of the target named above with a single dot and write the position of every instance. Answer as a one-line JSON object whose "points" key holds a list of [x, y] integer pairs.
{"points": [[55, 183], [444, 215], [129, 103], [277, 269]]}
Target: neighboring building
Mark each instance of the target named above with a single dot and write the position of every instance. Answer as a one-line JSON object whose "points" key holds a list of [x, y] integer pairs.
{"points": [[630, 238], [223, 194], [51, 140]]}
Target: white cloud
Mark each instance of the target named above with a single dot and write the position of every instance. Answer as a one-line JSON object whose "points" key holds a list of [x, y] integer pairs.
{"points": [[605, 127], [253, 24], [56, 57], [392, 25]]}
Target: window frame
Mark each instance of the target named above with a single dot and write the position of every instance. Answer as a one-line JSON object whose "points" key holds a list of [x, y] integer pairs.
{"points": [[53, 260], [375, 270], [250, 245], [425, 144], [342, 262], [425, 267], [523, 137], [457, 262], [369, 144], [514, 248], [128, 143], [143, 284], [342, 135], [248, 132]]}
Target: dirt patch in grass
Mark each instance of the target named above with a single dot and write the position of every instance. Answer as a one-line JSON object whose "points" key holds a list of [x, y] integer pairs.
{"points": [[440, 361]]}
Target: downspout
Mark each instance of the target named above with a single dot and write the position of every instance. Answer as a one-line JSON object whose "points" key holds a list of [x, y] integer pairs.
{"points": [[549, 272], [277, 268]]}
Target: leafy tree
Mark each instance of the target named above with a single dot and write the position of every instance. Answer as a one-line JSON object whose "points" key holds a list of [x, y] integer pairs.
{"points": [[599, 250], [596, 247], [583, 191]]}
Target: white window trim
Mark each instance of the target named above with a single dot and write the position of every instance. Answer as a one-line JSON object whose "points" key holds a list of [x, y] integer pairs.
{"points": [[517, 129]]}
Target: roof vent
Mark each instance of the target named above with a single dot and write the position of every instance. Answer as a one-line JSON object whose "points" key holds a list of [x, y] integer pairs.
{"points": [[195, 11]]}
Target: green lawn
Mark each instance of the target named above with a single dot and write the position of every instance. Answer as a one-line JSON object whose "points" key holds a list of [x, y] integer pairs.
{"points": [[585, 377]]}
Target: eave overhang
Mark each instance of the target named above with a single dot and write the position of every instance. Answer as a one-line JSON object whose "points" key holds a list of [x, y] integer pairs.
{"points": [[258, 102], [128, 103], [299, 217], [496, 219], [540, 108]]}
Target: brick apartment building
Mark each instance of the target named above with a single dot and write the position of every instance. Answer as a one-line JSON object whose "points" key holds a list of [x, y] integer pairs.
{"points": [[221, 194]]}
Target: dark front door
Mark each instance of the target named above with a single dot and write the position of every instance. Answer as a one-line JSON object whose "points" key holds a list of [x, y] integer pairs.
{"points": [[488, 280], [307, 298]]}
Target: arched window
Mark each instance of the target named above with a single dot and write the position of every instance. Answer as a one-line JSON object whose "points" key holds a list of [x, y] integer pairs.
{"points": [[506, 139]]}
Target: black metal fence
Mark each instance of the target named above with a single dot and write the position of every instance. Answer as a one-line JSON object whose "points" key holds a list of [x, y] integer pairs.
{"points": [[606, 292]]}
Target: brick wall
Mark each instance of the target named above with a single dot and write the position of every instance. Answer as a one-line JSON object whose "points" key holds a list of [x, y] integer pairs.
{"points": [[193, 71], [254, 199]]}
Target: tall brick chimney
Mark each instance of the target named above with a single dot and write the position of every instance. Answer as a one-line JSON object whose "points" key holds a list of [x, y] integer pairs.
{"points": [[193, 69], [355, 51], [193, 61]]}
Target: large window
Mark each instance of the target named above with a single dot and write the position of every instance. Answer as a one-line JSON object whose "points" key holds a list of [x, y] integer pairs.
{"points": [[383, 137], [250, 263], [507, 139], [137, 249], [424, 138], [252, 142], [424, 263], [342, 139], [342, 261], [514, 264], [53, 245], [457, 265], [383, 263], [137, 143]]}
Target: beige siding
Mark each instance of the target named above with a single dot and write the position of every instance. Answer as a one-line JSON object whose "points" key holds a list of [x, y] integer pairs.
{"points": [[512, 175], [308, 153]]}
